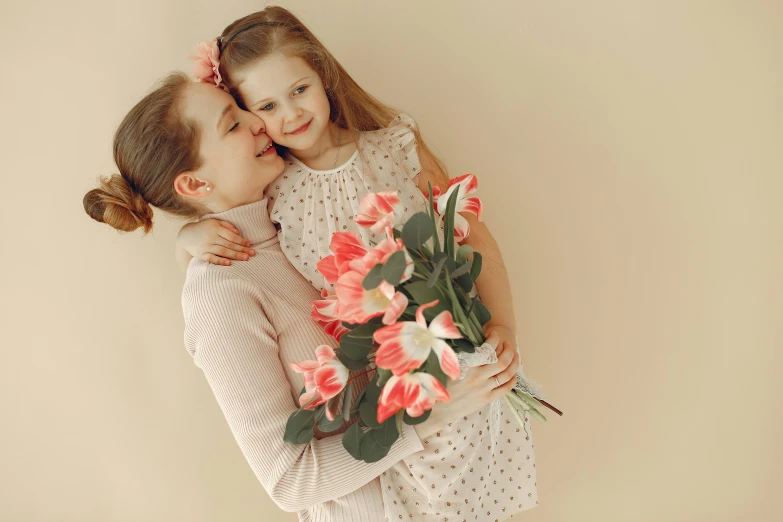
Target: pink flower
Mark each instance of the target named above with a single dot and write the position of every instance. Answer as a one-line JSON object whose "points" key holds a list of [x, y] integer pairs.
{"points": [[404, 346], [324, 312], [378, 211], [384, 250], [416, 392], [206, 64], [345, 247], [357, 305], [323, 379], [465, 184]]}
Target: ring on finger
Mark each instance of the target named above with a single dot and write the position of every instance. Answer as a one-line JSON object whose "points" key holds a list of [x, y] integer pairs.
{"points": [[497, 381]]}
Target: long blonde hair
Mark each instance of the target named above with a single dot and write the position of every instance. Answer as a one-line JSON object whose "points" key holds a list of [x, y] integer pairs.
{"points": [[276, 30]]}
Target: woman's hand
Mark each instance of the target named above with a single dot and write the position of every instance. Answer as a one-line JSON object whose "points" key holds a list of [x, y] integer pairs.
{"points": [[214, 241], [476, 390]]}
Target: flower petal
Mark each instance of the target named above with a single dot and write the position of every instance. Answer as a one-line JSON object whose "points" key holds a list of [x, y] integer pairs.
{"points": [[447, 359], [398, 305], [443, 326]]}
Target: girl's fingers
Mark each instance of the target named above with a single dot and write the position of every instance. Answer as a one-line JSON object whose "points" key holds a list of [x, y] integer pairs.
{"points": [[247, 251], [510, 372], [493, 340], [215, 260], [230, 235], [228, 226]]}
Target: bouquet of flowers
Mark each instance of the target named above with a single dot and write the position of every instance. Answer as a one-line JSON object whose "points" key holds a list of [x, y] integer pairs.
{"points": [[403, 310]]}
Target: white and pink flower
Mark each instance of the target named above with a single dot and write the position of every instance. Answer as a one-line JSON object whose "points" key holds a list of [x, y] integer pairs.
{"points": [[415, 392], [345, 247], [466, 184], [404, 346], [358, 305], [325, 313], [379, 211], [323, 379]]}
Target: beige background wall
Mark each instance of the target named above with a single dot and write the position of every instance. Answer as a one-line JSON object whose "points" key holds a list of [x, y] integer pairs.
{"points": [[630, 162]]}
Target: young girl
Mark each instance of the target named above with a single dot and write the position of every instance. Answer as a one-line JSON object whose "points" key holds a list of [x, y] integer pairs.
{"points": [[340, 143]]}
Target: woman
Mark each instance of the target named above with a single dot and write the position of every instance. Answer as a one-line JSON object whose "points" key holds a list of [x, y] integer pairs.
{"points": [[187, 149]]}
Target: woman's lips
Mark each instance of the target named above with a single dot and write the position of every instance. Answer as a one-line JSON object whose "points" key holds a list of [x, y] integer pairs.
{"points": [[301, 129], [269, 152]]}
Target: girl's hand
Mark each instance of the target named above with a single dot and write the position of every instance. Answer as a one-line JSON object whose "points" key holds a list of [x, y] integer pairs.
{"points": [[476, 390], [215, 242]]}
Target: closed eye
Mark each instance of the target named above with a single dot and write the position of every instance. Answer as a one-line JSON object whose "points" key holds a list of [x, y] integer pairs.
{"points": [[233, 127]]}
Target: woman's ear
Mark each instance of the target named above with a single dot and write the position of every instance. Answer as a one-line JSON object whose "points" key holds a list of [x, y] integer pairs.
{"points": [[189, 186]]}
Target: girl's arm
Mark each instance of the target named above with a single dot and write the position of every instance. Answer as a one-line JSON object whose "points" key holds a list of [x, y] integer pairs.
{"points": [[213, 241], [493, 283], [233, 342]]}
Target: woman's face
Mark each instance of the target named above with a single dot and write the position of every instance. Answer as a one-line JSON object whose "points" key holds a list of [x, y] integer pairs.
{"points": [[238, 159], [288, 95]]}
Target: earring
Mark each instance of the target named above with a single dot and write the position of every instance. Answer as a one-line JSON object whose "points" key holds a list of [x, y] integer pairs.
{"points": [[209, 188]]}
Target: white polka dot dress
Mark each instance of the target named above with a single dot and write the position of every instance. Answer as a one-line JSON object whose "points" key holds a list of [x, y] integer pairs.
{"points": [[458, 478], [311, 205]]}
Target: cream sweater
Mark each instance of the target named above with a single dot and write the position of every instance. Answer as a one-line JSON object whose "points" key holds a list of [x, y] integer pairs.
{"points": [[244, 324]]}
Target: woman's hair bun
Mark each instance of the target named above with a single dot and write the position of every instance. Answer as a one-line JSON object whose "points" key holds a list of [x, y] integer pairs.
{"points": [[118, 205]]}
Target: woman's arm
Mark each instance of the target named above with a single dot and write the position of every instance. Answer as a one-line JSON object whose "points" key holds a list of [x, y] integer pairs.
{"points": [[235, 345]]}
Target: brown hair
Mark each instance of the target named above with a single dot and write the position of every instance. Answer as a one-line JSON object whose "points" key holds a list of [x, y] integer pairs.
{"points": [[276, 30], [152, 145]]}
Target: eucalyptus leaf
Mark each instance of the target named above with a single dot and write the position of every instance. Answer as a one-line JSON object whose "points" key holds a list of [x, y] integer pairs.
{"points": [[325, 425], [383, 376], [417, 231], [432, 366], [349, 363], [462, 345], [347, 400], [371, 450], [394, 268], [448, 235], [368, 411], [373, 278], [365, 331], [298, 422], [461, 270], [387, 434], [305, 436], [463, 252], [356, 348], [465, 282], [352, 439]]}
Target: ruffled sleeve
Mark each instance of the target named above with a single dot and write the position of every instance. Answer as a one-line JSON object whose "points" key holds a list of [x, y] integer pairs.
{"points": [[403, 145]]}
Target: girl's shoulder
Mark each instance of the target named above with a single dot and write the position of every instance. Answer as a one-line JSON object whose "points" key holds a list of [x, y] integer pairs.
{"points": [[401, 127]]}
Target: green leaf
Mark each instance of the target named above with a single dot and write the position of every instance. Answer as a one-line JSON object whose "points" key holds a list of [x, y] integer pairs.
{"points": [[305, 436], [347, 400], [475, 268], [448, 230], [365, 331], [412, 421], [373, 278], [394, 268], [432, 366], [372, 391], [356, 348], [462, 345], [383, 376], [482, 314], [352, 440], [422, 294], [368, 411], [349, 363], [461, 270], [355, 405], [435, 240], [298, 422], [465, 282], [463, 252], [387, 434], [417, 230], [325, 425], [371, 450], [433, 279]]}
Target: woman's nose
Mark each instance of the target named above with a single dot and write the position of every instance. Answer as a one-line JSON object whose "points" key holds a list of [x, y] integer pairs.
{"points": [[257, 125]]}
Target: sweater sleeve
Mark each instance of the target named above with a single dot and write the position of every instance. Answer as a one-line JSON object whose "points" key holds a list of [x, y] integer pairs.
{"points": [[232, 341]]}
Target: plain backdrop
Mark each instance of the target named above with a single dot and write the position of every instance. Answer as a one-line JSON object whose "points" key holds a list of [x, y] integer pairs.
{"points": [[629, 157]]}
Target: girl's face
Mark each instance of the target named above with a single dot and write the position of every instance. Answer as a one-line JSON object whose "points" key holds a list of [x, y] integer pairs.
{"points": [[238, 159], [288, 95]]}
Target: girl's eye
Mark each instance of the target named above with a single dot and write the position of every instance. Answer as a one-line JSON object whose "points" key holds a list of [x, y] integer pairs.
{"points": [[267, 107], [233, 127], [300, 89]]}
